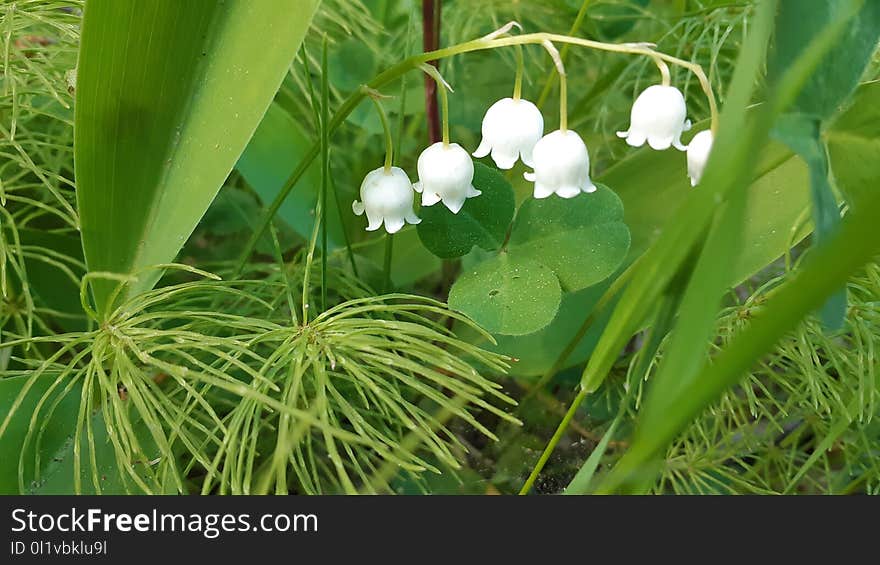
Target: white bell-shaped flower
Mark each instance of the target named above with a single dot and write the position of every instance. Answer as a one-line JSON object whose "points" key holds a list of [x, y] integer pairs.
{"points": [[562, 166], [511, 128], [387, 196], [697, 155], [446, 173], [659, 116]]}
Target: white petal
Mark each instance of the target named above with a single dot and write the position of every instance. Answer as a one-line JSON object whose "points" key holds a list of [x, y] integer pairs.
{"points": [[357, 208], [454, 204], [698, 154], [635, 139], [393, 225], [483, 149], [542, 191], [430, 198], [659, 143], [502, 158], [375, 222], [568, 191]]}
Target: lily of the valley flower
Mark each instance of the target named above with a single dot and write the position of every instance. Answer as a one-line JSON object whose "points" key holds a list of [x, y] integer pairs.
{"points": [[697, 155], [659, 116], [511, 128], [562, 166], [446, 173], [387, 196]]}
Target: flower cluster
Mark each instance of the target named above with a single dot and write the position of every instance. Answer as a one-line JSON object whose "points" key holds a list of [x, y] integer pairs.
{"points": [[513, 129]]}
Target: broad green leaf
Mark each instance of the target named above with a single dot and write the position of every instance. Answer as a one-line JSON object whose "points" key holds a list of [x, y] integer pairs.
{"points": [[854, 145], [582, 239], [842, 66], [801, 133], [53, 439], [51, 286], [168, 94], [270, 157], [536, 352], [830, 84], [508, 294], [482, 221], [58, 477]]}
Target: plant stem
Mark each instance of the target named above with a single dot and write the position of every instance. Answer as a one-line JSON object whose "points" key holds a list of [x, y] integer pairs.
{"points": [[386, 271], [325, 169], [431, 42], [389, 143], [539, 466], [578, 20], [520, 69], [665, 77], [443, 86], [563, 84], [491, 41]]}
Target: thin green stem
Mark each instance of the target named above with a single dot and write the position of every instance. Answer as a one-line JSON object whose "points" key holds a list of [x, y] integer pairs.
{"points": [[665, 77], [578, 20], [491, 41], [563, 84], [389, 143], [442, 87], [560, 430], [325, 169], [386, 270], [520, 70]]}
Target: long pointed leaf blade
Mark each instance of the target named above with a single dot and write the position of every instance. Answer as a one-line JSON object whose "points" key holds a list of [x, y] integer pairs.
{"points": [[168, 94]]}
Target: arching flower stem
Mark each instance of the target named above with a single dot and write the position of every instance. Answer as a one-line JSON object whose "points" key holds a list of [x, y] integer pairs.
{"points": [[666, 79], [563, 83], [386, 128], [520, 70], [442, 87]]}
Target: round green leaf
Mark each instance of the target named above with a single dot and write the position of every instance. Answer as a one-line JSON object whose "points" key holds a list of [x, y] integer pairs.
{"points": [[482, 221], [583, 240], [508, 295]]}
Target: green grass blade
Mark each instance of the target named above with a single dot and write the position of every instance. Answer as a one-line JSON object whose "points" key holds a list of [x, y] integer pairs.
{"points": [[824, 272]]}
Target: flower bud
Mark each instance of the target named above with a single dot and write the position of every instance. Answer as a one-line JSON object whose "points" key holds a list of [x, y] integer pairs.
{"points": [[446, 173], [387, 196], [511, 128], [697, 155], [562, 166], [659, 115]]}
